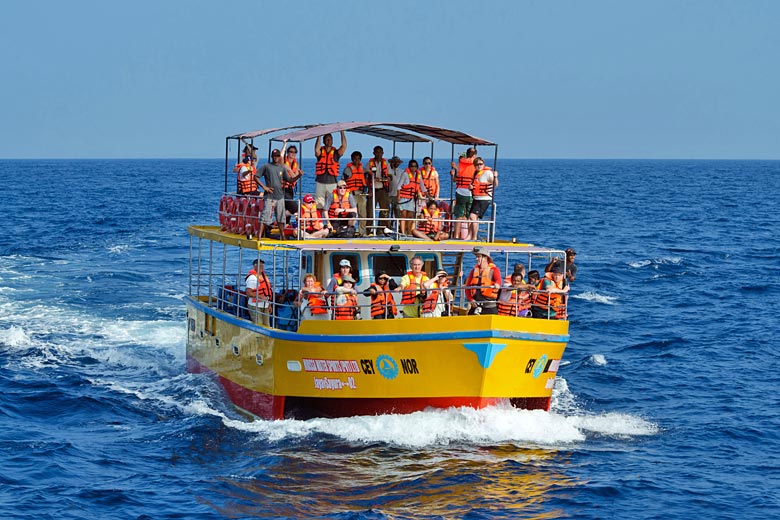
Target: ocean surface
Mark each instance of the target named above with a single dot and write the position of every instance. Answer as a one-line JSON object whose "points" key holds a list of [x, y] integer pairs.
{"points": [[666, 405]]}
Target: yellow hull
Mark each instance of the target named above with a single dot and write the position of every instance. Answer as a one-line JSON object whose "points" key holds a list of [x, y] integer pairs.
{"points": [[376, 366]]}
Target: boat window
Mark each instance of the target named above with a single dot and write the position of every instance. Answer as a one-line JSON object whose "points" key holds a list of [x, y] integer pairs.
{"points": [[353, 258], [394, 265]]}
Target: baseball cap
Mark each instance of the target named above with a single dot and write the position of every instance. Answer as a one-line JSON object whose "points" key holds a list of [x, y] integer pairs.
{"points": [[345, 263], [308, 199]]}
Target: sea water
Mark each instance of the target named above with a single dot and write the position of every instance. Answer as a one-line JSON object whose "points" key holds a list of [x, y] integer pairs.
{"points": [[665, 405]]}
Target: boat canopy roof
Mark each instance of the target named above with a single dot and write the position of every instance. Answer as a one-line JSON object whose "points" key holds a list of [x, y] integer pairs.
{"points": [[398, 132]]}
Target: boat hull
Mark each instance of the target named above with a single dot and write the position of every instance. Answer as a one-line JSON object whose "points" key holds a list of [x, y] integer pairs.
{"points": [[367, 367]]}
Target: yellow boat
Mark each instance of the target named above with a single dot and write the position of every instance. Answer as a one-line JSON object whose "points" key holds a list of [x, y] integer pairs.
{"points": [[282, 365]]}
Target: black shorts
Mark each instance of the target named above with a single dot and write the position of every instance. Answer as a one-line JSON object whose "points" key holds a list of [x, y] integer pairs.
{"points": [[479, 207]]}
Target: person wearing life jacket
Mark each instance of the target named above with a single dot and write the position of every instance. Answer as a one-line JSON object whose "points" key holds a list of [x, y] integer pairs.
{"points": [[411, 288], [430, 178], [515, 297], [429, 226], [311, 300], [355, 177], [345, 269], [259, 293], [571, 267], [482, 285], [295, 173], [519, 268], [396, 175], [485, 181], [437, 297], [346, 300], [327, 168], [378, 177], [549, 301], [462, 175], [311, 223], [246, 180], [381, 295], [411, 190], [340, 207]]}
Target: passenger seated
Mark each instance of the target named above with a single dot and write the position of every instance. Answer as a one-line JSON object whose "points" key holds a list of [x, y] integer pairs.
{"points": [[341, 209], [438, 296], [381, 294], [311, 300], [431, 227], [311, 223], [346, 300], [515, 299]]}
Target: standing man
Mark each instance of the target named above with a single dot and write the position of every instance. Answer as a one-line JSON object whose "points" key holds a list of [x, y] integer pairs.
{"points": [[355, 177], [273, 173], [463, 174], [327, 168], [379, 180], [485, 180], [483, 282], [395, 173], [258, 293]]}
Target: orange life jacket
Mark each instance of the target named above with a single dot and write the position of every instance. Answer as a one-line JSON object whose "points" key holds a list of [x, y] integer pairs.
{"points": [[382, 303], [432, 299], [372, 164], [248, 184], [432, 226], [348, 309], [410, 293], [290, 185], [409, 191], [327, 163], [430, 186], [518, 300], [356, 181], [342, 202], [482, 277], [317, 304], [482, 189], [310, 217], [465, 173], [552, 301], [263, 286]]}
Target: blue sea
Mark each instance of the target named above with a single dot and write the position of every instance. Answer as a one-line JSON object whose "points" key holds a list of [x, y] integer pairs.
{"points": [[666, 404]]}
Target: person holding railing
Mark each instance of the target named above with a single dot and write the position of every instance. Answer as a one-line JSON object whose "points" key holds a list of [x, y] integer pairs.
{"points": [[485, 181], [482, 285], [381, 295], [549, 301], [259, 293], [438, 296], [411, 288], [395, 173], [515, 298], [430, 226], [346, 300], [311, 300], [311, 223]]}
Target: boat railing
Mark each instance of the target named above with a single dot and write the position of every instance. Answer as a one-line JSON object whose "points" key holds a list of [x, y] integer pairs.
{"points": [[241, 214], [288, 310]]}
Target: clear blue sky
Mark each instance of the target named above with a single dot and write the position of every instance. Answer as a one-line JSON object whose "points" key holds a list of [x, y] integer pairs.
{"points": [[544, 78]]}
